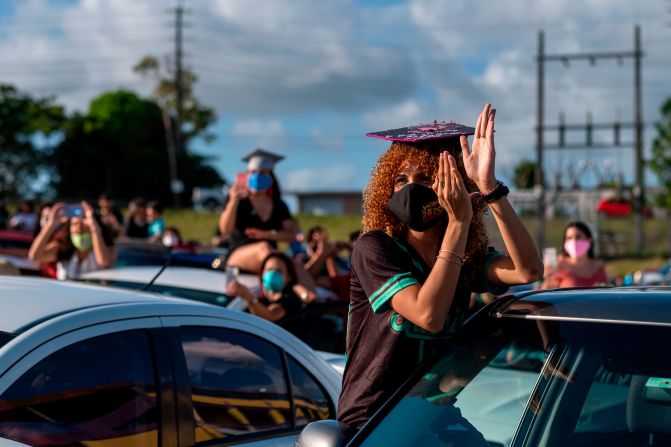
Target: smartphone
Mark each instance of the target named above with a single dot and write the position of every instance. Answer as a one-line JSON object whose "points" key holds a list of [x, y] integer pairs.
{"points": [[550, 257], [231, 273], [74, 210], [241, 180]]}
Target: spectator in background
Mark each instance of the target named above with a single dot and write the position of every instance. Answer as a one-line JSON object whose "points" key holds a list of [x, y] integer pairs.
{"points": [[87, 244], [42, 216], [135, 225], [255, 217], [155, 219], [280, 291], [110, 215], [576, 266], [25, 219], [323, 263]]}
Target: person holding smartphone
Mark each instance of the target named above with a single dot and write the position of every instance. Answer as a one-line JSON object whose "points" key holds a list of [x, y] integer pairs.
{"points": [[576, 266], [75, 239], [255, 217]]}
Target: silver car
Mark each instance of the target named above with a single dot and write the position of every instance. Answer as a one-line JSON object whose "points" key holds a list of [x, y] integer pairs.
{"points": [[86, 365]]}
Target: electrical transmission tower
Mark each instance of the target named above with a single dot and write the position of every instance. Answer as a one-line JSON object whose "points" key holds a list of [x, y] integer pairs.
{"points": [[588, 127]]}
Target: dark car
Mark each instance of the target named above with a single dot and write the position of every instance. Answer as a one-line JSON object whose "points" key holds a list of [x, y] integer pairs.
{"points": [[573, 367]]}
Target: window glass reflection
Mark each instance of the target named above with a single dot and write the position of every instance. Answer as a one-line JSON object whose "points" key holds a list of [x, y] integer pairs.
{"points": [[237, 383]]}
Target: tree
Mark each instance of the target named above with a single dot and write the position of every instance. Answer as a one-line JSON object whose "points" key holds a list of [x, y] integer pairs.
{"points": [[196, 118], [661, 160], [118, 147], [523, 175], [23, 122]]}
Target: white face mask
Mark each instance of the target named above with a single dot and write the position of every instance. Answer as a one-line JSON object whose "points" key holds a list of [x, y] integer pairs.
{"points": [[169, 240]]}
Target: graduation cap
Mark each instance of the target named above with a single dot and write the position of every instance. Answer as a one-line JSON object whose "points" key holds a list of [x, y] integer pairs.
{"points": [[260, 159], [433, 131]]}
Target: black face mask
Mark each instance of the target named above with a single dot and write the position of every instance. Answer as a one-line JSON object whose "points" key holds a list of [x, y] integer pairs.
{"points": [[417, 206]]}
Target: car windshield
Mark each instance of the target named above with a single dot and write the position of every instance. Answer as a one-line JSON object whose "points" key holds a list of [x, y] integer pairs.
{"points": [[599, 384], [216, 298], [500, 360]]}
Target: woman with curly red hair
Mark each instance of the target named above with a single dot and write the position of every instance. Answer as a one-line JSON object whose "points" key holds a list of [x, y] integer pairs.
{"points": [[423, 251]]}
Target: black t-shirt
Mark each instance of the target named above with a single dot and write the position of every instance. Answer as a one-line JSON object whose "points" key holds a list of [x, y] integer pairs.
{"points": [[383, 348], [135, 230], [246, 217]]}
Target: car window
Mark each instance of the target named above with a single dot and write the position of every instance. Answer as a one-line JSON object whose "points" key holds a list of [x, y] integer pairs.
{"points": [[238, 384], [100, 391], [611, 386], [472, 394], [311, 403]]}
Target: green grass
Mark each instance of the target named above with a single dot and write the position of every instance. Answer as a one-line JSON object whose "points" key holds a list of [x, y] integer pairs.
{"points": [[201, 226]]}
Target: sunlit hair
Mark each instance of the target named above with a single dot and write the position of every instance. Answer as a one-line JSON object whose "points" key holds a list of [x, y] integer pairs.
{"points": [[423, 156]]}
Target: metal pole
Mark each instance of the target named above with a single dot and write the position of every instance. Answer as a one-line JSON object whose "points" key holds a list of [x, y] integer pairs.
{"points": [[539, 181], [179, 94], [639, 187]]}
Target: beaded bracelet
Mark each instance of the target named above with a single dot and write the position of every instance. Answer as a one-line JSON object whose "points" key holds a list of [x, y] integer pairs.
{"points": [[461, 258], [499, 190]]}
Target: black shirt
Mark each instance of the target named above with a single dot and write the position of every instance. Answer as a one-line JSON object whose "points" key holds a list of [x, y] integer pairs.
{"points": [[134, 229], [247, 217], [383, 348]]}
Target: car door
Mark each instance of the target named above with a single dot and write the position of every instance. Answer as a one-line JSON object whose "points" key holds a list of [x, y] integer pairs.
{"points": [[105, 385], [241, 387]]}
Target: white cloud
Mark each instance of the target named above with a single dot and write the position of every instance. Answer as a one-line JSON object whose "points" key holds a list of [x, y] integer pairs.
{"points": [[269, 65]]}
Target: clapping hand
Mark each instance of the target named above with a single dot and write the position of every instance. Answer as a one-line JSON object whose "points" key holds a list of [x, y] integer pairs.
{"points": [[451, 191], [479, 159]]}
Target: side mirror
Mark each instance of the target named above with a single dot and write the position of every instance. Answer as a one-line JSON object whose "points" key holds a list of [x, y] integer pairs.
{"points": [[327, 433]]}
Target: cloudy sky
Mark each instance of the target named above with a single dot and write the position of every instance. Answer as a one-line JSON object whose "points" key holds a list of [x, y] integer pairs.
{"points": [[307, 79]]}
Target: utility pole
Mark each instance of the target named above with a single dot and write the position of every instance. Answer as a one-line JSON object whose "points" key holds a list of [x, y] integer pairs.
{"points": [[175, 147], [588, 128], [538, 177]]}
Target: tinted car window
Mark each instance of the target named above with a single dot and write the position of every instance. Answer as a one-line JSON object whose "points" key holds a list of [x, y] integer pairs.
{"points": [[610, 386], [472, 394], [311, 402], [238, 384], [99, 391]]}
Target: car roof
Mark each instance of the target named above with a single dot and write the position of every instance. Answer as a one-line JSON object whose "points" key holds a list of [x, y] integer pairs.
{"points": [[26, 301], [184, 277], [634, 305]]}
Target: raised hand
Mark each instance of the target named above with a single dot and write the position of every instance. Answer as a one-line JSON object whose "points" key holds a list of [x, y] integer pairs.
{"points": [[56, 215], [479, 159], [451, 191], [88, 220]]}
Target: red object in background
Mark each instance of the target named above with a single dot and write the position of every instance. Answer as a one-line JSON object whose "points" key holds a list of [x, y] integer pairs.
{"points": [[15, 243], [619, 208]]}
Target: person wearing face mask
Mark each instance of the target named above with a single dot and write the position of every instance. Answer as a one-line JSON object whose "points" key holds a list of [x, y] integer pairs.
{"points": [[279, 295], [256, 218], [86, 244], [422, 252], [576, 267]]}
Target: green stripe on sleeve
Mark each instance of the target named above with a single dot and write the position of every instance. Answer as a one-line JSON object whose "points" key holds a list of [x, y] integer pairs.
{"points": [[387, 284], [387, 295]]}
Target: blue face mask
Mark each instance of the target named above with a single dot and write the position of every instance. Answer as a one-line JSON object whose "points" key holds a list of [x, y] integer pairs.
{"points": [[259, 182], [273, 281]]}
